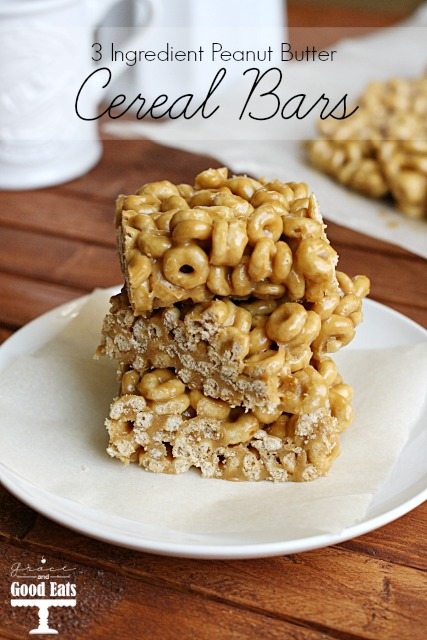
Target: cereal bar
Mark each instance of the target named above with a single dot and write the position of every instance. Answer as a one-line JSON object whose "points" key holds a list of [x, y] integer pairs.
{"points": [[231, 303], [162, 425], [382, 149], [239, 352], [226, 236]]}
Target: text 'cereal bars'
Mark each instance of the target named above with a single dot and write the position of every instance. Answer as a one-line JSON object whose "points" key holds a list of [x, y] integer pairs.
{"points": [[382, 149], [242, 352], [160, 424], [226, 236]]}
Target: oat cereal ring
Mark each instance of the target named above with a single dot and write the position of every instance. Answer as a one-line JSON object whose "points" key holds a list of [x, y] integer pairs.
{"points": [[161, 190], [234, 341], [265, 363], [241, 207], [160, 384], [217, 281], [241, 430], [171, 406], [185, 191], [316, 259], [286, 322], [282, 262], [258, 340], [309, 332], [299, 227], [163, 219], [229, 240], [191, 229], [221, 311], [211, 178], [298, 357], [143, 222], [327, 369], [326, 305], [264, 196], [188, 215], [129, 382], [142, 205], [142, 295], [295, 284], [267, 290], [177, 203], [264, 223], [186, 266], [208, 407], [349, 306], [340, 396], [243, 186], [153, 244], [261, 261], [204, 197], [139, 268], [267, 416], [241, 283], [336, 331], [359, 285], [284, 188], [260, 307], [304, 392], [242, 319]]}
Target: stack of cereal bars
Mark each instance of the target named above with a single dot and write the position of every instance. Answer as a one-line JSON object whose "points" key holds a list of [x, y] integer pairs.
{"points": [[222, 331]]}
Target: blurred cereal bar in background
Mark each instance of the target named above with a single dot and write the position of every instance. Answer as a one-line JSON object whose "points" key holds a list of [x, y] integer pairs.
{"points": [[381, 150]]}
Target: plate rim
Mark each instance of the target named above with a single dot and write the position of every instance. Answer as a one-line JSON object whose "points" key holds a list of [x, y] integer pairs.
{"points": [[207, 551], [23, 489]]}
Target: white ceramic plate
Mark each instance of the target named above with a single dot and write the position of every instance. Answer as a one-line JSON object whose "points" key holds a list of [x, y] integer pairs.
{"points": [[405, 489]]}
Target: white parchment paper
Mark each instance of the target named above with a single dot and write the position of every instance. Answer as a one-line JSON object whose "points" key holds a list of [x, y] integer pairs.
{"points": [[53, 403], [273, 148]]}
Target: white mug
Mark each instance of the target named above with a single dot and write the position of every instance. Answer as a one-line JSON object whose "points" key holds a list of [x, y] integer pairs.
{"points": [[48, 47], [46, 54]]}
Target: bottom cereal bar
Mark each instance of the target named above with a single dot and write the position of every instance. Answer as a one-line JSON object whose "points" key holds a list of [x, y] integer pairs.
{"points": [[165, 427]]}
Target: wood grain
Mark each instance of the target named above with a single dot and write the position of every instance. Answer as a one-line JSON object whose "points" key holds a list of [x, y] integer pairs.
{"points": [[56, 244], [66, 213], [403, 542], [59, 260], [5, 333], [407, 285], [302, 589], [16, 519], [23, 299], [144, 161], [59, 214], [394, 543], [129, 607], [336, 16]]}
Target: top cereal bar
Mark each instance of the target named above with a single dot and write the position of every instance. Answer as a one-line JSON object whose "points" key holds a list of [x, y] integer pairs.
{"points": [[226, 236]]}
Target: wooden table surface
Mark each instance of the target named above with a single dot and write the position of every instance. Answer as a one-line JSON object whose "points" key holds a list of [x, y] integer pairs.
{"points": [[56, 244]]}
